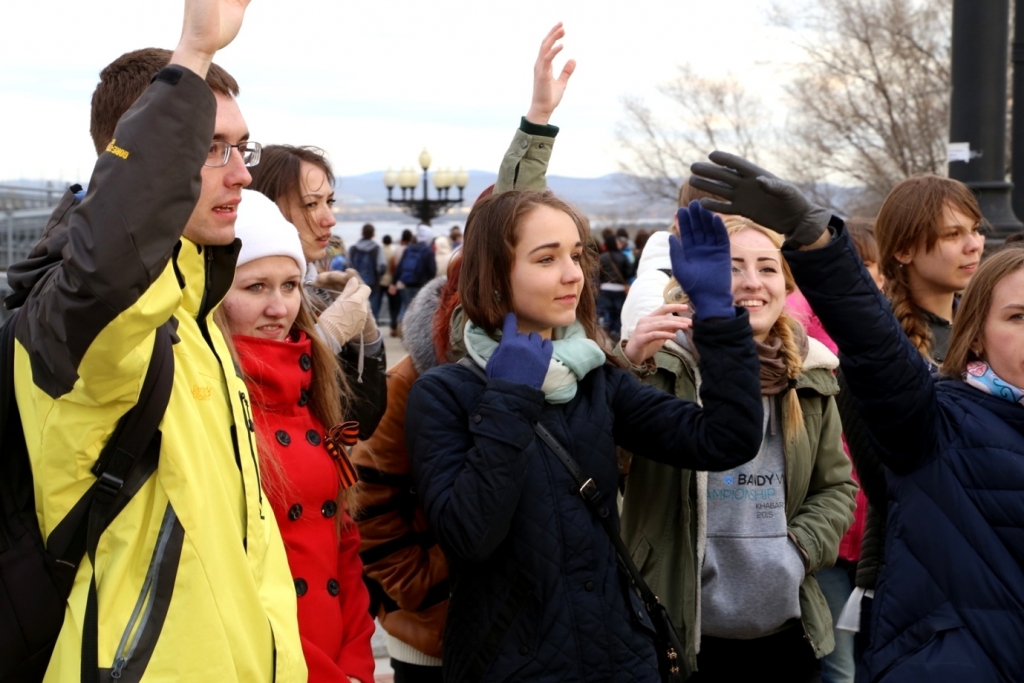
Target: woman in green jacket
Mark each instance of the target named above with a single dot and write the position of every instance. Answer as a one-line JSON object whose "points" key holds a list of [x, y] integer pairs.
{"points": [[732, 555]]}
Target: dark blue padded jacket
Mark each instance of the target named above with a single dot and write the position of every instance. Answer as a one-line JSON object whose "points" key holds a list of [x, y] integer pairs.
{"points": [[949, 605], [536, 592]]}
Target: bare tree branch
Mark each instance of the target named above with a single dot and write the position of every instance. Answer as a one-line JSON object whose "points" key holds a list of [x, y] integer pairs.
{"points": [[702, 114]]}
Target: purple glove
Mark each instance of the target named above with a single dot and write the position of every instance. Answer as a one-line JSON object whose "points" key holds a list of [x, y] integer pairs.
{"points": [[520, 358], [702, 262]]}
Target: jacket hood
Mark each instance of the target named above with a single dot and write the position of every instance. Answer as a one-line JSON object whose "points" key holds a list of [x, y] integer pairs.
{"points": [[648, 289], [418, 325], [656, 253], [365, 245], [818, 373]]}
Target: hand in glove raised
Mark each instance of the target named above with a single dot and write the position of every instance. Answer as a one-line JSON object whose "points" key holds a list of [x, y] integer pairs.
{"points": [[702, 262], [346, 317], [755, 193], [520, 358]]}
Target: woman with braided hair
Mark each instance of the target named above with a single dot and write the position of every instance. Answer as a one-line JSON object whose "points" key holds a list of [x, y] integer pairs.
{"points": [[732, 554], [930, 245]]}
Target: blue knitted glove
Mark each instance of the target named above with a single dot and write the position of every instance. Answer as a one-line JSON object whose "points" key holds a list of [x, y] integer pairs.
{"points": [[702, 262], [520, 358]]}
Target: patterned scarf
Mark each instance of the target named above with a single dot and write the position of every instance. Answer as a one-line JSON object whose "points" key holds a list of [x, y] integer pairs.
{"points": [[980, 376], [574, 356]]}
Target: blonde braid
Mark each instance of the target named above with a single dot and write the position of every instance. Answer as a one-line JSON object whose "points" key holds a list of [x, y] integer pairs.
{"points": [[910, 318], [794, 425]]}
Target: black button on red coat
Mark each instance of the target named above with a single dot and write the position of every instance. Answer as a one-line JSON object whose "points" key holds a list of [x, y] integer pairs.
{"points": [[283, 438], [313, 437], [333, 588], [300, 587], [305, 362], [329, 509], [303, 397], [294, 512]]}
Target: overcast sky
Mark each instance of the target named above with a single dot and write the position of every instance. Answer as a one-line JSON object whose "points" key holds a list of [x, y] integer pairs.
{"points": [[375, 82]]}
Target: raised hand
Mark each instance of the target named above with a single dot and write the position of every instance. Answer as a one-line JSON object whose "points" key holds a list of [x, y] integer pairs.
{"points": [[209, 25], [548, 90], [762, 197], [702, 262], [652, 331], [520, 358]]}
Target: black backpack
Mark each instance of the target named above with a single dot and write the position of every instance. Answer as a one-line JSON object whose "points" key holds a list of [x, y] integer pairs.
{"points": [[36, 577], [365, 263]]}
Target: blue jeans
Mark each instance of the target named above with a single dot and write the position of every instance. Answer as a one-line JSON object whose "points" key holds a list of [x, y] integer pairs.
{"points": [[376, 296], [836, 585], [408, 294]]}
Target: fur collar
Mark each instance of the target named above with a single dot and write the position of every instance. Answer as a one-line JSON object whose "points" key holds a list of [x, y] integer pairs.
{"points": [[418, 325]]}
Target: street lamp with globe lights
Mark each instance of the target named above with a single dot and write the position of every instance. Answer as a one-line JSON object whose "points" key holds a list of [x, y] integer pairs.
{"points": [[425, 209]]}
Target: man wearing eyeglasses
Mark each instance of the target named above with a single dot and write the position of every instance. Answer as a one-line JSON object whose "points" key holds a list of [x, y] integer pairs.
{"points": [[191, 578]]}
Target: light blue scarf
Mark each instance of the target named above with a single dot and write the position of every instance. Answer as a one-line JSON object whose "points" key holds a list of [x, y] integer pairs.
{"points": [[980, 376], [574, 356]]}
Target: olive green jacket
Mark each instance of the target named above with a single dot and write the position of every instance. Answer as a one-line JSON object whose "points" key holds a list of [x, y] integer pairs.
{"points": [[525, 164], [662, 509]]}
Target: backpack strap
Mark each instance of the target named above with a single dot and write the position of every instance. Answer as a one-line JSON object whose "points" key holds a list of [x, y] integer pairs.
{"points": [[127, 461]]}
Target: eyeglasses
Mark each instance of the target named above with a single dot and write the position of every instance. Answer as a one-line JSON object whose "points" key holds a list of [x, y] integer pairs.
{"points": [[220, 153]]}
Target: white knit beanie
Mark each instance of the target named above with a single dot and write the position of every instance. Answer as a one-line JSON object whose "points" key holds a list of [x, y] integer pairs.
{"points": [[264, 231]]}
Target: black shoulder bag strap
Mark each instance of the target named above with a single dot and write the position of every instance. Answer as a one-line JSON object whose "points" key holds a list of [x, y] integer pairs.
{"points": [[127, 461], [671, 654]]}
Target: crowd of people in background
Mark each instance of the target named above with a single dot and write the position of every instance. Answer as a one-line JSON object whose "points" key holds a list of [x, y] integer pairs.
{"points": [[803, 434]]}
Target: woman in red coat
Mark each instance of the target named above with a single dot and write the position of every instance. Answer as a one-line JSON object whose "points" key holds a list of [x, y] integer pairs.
{"points": [[296, 389]]}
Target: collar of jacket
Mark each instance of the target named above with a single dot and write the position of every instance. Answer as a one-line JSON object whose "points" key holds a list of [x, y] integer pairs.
{"points": [[818, 372], [205, 274], [273, 371]]}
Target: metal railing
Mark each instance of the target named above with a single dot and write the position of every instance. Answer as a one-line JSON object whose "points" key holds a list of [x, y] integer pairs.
{"points": [[19, 231], [20, 198]]}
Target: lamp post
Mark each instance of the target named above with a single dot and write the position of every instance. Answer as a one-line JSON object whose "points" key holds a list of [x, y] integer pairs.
{"points": [[425, 208], [978, 107]]}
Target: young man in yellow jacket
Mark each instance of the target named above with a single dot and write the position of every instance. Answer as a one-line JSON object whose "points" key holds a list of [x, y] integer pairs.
{"points": [[192, 579]]}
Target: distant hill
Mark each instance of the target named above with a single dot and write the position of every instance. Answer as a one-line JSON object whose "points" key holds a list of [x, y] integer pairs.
{"points": [[597, 197]]}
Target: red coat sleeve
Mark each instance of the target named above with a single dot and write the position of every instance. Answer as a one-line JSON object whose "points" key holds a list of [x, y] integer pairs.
{"points": [[356, 655]]}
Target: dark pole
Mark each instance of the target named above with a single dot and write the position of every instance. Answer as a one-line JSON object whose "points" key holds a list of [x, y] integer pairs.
{"points": [[1017, 132], [978, 106]]}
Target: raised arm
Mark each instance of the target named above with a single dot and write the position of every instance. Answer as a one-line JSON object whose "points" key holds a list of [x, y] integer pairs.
{"points": [[727, 431], [113, 286], [525, 164], [887, 376]]}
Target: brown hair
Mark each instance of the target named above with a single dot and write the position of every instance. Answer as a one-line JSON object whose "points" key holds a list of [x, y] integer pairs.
{"points": [[909, 218], [687, 193], [492, 232], [125, 79], [278, 173], [448, 301], [974, 308], [863, 235]]}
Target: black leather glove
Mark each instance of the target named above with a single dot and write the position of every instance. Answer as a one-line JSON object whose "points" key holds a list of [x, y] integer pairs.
{"points": [[760, 196]]}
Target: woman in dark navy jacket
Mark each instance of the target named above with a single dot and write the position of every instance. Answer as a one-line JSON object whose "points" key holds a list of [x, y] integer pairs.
{"points": [[950, 601], [536, 592]]}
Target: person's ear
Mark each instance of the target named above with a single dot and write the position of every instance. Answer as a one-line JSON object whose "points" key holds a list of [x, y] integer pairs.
{"points": [[978, 348], [905, 257]]}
